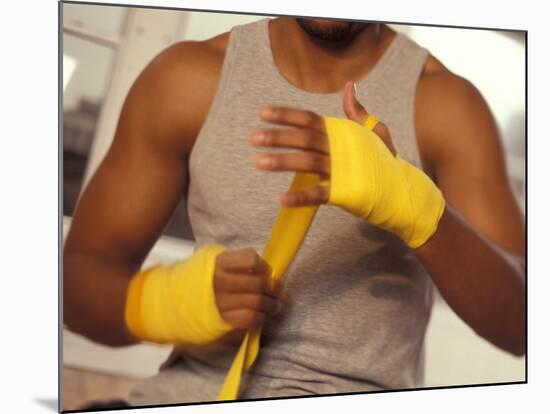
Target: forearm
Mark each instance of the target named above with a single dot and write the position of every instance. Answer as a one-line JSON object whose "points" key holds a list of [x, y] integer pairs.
{"points": [[94, 296], [483, 284]]}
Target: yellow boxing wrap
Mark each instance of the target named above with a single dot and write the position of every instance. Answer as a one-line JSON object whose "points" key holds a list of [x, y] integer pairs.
{"points": [[176, 304], [388, 192], [365, 179], [287, 234], [371, 122]]}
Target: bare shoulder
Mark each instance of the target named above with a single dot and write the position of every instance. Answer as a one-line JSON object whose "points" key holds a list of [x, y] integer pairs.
{"points": [[446, 107], [461, 148], [174, 92], [438, 82]]}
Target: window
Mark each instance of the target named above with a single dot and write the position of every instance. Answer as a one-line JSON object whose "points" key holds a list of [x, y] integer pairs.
{"points": [[89, 65], [104, 49]]}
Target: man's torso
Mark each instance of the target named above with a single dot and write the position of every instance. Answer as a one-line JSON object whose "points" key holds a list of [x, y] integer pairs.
{"points": [[353, 290]]}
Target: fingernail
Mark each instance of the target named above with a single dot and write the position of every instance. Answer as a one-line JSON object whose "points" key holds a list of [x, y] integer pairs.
{"points": [[258, 137], [287, 199], [263, 161], [354, 88], [266, 112]]}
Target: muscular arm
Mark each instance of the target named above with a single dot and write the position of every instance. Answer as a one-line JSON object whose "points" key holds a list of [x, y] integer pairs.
{"points": [[476, 257], [136, 188]]}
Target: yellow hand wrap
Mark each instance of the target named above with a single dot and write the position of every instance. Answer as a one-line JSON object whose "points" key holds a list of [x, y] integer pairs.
{"points": [[286, 236], [176, 304], [388, 192], [365, 179]]}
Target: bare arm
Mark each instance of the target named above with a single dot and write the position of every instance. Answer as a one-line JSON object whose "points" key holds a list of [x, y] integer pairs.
{"points": [[476, 257], [135, 190]]}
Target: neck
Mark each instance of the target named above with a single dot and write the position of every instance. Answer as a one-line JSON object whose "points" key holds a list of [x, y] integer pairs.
{"points": [[324, 67]]}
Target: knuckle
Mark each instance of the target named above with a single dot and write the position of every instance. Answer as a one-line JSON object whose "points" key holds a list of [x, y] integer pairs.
{"points": [[249, 318], [229, 319], [317, 193], [316, 163], [258, 318], [221, 303], [249, 284], [324, 193], [219, 282], [220, 260], [249, 257], [265, 282], [309, 138], [269, 304], [326, 166], [259, 285], [238, 322], [322, 166], [276, 161], [257, 302], [300, 197], [310, 119], [269, 137]]}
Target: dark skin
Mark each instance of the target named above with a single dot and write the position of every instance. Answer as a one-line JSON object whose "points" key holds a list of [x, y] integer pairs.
{"points": [[475, 257]]}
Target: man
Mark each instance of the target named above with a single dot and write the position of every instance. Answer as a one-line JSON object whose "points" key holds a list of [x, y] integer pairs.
{"points": [[226, 120]]}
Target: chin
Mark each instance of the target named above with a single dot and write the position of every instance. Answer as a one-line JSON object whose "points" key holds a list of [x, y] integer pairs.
{"points": [[329, 30]]}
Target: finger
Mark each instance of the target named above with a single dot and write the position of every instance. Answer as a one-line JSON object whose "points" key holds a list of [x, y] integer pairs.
{"points": [[253, 301], [384, 133], [244, 318], [299, 138], [282, 299], [357, 112], [316, 195], [352, 108], [243, 283], [305, 161], [292, 117], [244, 260]]}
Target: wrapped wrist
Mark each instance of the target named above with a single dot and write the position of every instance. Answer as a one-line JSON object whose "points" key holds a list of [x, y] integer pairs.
{"points": [[176, 304], [387, 191]]}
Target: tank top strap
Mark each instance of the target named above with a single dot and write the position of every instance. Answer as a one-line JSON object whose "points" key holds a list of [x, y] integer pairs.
{"points": [[391, 90]]}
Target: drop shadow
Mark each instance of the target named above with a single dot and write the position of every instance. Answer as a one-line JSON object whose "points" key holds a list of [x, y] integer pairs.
{"points": [[49, 403]]}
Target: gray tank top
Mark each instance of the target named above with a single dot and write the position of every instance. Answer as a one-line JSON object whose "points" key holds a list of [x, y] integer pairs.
{"points": [[358, 300]]}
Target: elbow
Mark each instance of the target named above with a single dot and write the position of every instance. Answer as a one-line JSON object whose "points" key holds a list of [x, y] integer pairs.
{"points": [[519, 352], [509, 337], [518, 349], [516, 343], [513, 344], [517, 325]]}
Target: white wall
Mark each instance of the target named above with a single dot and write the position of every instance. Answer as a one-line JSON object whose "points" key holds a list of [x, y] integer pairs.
{"points": [[202, 26]]}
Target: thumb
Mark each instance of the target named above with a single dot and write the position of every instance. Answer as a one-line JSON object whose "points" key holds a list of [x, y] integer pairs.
{"points": [[352, 108], [357, 113]]}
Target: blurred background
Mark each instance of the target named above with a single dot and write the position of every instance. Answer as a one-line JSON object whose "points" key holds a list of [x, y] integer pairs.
{"points": [[106, 47]]}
